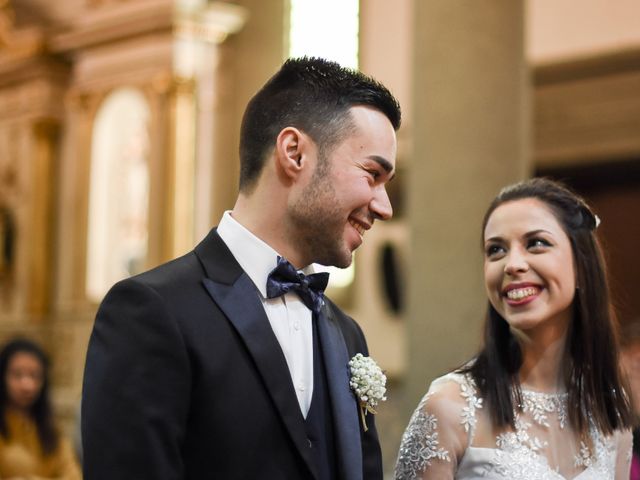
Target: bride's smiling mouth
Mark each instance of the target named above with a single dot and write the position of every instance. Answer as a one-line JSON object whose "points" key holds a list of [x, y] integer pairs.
{"points": [[519, 294]]}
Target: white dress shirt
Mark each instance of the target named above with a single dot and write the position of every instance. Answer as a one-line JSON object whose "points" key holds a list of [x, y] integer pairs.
{"points": [[289, 317]]}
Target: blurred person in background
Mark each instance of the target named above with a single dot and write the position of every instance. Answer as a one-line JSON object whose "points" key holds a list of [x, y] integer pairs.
{"points": [[31, 447], [631, 364]]}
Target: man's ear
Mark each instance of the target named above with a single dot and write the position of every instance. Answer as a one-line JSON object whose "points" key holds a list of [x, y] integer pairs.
{"points": [[291, 147]]}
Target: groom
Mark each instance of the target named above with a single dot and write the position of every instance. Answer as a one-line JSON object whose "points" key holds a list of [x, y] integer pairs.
{"points": [[228, 363]]}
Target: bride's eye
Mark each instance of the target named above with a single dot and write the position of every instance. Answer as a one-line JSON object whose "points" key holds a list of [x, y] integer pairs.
{"points": [[494, 250], [538, 243]]}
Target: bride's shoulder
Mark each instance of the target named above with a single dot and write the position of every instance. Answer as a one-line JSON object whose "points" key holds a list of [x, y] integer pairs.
{"points": [[440, 428], [453, 386], [451, 396]]}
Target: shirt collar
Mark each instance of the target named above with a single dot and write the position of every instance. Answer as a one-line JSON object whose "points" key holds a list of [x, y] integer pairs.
{"points": [[255, 256]]}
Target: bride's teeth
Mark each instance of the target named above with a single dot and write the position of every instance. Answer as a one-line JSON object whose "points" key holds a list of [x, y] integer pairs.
{"points": [[520, 293]]}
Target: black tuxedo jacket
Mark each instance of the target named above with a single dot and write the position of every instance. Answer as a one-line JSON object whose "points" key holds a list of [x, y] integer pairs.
{"points": [[185, 379]]}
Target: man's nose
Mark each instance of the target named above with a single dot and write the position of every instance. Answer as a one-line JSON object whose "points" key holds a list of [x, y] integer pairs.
{"points": [[381, 205]]}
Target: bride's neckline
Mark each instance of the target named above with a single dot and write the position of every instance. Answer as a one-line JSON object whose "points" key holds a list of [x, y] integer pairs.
{"points": [[527, 389]]}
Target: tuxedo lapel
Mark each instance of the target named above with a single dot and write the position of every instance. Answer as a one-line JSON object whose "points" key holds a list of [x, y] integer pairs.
{"points": [[236, 295], [345, 417]]}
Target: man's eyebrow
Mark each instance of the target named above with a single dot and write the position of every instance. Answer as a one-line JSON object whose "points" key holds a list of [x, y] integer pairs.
{"points": [[383, 162]]}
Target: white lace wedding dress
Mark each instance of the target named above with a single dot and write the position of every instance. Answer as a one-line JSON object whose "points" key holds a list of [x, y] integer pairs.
{"points": [[450, 437]]}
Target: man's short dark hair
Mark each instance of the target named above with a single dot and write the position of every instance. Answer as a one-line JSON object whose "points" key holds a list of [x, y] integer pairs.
{"points": [[313, 95]]}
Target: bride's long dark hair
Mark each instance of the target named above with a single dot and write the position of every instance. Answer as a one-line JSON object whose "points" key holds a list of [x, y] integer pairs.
{"points": [[592, 373]]}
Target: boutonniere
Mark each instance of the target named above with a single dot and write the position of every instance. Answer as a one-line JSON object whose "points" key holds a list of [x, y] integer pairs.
{"points": [[368, 383]]}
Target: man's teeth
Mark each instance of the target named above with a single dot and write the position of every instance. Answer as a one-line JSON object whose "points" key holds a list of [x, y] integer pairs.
{"points": [[520, 293], [357, 226]]}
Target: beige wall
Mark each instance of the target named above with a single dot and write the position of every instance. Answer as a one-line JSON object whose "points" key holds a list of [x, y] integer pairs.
{"points": [[564, 29]]}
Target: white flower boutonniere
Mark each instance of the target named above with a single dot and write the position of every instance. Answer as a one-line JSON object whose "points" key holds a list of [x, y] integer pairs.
{"points": [[368, 383]]}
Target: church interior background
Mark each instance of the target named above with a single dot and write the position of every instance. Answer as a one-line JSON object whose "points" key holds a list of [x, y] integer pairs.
{"points": [[119, 130]]}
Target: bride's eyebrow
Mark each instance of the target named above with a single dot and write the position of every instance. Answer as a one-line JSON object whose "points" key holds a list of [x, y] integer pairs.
{"points": [[495, 238], [533, 233]]}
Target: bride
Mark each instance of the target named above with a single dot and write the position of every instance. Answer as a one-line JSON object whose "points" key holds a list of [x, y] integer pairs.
{"points": [[544, 398]]}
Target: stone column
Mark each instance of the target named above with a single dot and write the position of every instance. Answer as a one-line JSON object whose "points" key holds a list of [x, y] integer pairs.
{"points": [[30, 121], [202, 31], [72, 205], [471, 137], [181, 169], [261, 47], [45, 144]]}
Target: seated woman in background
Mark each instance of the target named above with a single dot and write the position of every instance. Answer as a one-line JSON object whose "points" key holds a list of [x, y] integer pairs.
{"points": [[30, 445], [544, 398]]}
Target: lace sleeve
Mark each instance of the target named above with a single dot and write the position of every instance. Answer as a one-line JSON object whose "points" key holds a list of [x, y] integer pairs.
{"points": [[436, 437], [623, 455]]}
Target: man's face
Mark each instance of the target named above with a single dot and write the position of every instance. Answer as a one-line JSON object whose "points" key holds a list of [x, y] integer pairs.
{"points": [[346, 192]]}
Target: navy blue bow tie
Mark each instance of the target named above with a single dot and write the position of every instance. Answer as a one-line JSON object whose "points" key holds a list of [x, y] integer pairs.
{"points": [[310, 288]]}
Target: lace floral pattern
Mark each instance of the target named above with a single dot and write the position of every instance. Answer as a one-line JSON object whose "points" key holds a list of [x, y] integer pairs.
{"points": [[420, 444], [542, 404], [519, 454], [602, 461], [468, 392], [517, 462]]}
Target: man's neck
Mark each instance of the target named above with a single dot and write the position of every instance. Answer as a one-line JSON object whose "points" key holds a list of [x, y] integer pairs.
{"points": [[264, 218]]}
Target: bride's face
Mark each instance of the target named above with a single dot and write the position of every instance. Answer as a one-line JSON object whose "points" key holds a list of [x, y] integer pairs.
{"points": [[528, 266]]}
